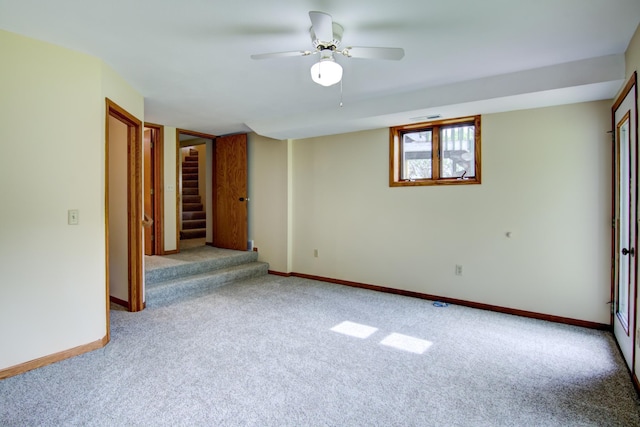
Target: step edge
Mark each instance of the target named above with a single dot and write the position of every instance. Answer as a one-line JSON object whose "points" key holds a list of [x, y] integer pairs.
{"points": [[198, 267], [208, 275], [204, 285]]}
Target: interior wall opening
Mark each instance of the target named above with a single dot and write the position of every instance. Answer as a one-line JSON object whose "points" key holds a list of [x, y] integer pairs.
{"points": [[195, 206]]}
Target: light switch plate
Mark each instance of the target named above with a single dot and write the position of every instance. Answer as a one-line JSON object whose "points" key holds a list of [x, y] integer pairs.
{"points": [[73, 216]]}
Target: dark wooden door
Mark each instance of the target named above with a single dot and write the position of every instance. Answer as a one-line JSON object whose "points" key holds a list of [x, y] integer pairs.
{"points": [[230, 192]]}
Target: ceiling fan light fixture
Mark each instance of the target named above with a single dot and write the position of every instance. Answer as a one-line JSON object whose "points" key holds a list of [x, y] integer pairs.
{"points": [[326, 72]]}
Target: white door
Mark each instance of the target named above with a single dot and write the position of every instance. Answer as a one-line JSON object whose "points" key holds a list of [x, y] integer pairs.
{"points": [[625, 217]]}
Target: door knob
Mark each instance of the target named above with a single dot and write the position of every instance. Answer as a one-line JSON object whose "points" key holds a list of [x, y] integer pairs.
{"points": [[243, 199], [626, 251]]}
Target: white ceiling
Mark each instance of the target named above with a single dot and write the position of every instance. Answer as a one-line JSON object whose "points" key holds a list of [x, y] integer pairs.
{"points": [[190, 59]]}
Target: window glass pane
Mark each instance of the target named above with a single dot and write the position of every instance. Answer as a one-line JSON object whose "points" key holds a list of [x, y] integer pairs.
{"points": [[416, 155], [457, 152]]}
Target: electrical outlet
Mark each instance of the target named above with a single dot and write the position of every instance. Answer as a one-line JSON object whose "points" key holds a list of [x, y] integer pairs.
{"points": [[458, 270], [315, 253]]}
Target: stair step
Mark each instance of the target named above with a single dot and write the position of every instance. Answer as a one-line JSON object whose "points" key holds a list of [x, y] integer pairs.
{"points": [[189, 191], [191, 158], [197, 285], [189, 184], [193, 152], [195, 261], [191, 224], [189, 170], [189, 164], [189, 207], [191, 198], [189, 177], [193, 215], [193, 233]]}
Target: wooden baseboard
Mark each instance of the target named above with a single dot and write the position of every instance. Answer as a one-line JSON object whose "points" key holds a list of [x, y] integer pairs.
{"points": [[120, 302], [124, 303], [208, 243], [173, 252], [279, 273], [52, 358], [489, 307]]}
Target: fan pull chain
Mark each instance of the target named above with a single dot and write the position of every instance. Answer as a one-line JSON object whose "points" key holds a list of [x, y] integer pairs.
{"points": [[340, 93]]}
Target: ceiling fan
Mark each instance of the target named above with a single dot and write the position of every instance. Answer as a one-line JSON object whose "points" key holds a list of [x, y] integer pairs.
{"points": [[326, 37]]}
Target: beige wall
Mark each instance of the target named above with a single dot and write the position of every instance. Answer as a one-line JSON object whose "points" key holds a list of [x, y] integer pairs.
{"points": [[53, 277], [546, 179], [119, 91], [118, 217], [170, 195], [632, 59], [269, 172]]}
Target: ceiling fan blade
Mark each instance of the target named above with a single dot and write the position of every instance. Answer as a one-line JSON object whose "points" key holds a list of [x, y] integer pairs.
{"points": [[281, 54], [392, 53], [322, 25]]}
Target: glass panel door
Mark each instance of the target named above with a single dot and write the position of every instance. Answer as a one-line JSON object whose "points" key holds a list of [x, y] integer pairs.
{"points": [[625, 222], [623, 146]]}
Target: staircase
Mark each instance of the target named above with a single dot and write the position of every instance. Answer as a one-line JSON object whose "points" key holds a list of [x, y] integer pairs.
{"points": [[196, 272], [194, 217]]}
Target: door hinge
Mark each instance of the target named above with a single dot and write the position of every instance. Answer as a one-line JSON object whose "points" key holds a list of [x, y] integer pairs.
{"points": [[152, 191], [151, 145]]}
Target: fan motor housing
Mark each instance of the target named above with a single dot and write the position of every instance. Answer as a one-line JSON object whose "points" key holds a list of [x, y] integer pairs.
{"points": [[328, 44]]}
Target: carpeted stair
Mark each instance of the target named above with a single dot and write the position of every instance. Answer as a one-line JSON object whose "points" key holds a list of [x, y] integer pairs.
{"points": [[194, 223], [196, 272]]}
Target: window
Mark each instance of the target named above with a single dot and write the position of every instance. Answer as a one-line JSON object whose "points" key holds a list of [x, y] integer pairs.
{"points": [[435, 153]]}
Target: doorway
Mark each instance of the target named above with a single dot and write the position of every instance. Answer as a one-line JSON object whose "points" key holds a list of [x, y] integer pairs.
{"points": [[194, 156], [123, 194], [153, 186], [625, 214], [225, 196]]}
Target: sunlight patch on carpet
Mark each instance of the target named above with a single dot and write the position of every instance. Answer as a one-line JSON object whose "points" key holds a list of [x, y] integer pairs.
{"points": [[354, 329], [406, 343]]}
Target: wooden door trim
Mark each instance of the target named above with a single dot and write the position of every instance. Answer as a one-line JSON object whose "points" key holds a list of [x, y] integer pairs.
{"points": [[134, 205], [158, 187], [624, 92], [194, 133]]}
